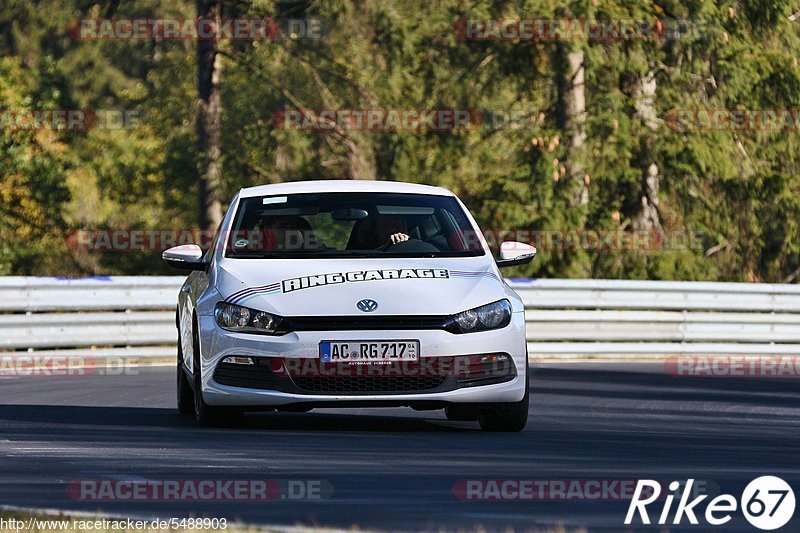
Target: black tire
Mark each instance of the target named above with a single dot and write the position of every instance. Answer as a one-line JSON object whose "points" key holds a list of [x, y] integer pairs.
{"points": [[204, 414], [506, 417], [461, 413], [185, 394]]}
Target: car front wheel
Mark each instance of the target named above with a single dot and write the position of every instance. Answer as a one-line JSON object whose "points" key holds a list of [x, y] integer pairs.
{"points": [[506, 417], [185, 395], [204, 414]]}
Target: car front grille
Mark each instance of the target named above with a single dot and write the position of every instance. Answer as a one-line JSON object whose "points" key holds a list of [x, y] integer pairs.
{"points": [[346, 323], [434, 374], [395, 378]]}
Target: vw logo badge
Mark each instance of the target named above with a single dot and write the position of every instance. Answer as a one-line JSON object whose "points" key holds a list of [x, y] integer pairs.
{"points": [[367, 306]]}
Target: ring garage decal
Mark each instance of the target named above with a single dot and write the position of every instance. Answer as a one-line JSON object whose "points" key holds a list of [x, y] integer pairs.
{"points": [[321, 280], [307, 282], [467, 275], [252, 292]]}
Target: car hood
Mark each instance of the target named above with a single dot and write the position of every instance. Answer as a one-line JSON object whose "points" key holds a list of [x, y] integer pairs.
{"points": [[333, 287]]}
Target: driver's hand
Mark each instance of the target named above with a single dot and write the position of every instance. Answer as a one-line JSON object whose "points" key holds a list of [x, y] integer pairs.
{"points": [[398, 238]]}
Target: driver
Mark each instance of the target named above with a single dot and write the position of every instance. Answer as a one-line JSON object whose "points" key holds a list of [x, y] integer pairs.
{"points": [[389, 230]]}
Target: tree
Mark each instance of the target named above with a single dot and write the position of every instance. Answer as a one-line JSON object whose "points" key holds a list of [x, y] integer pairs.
{"points": [[209, 128]]}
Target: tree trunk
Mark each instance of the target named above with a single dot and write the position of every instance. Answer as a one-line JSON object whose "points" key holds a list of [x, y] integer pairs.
{"points": [[361, 163], [209, 66], [572, 119], [647, 218]]}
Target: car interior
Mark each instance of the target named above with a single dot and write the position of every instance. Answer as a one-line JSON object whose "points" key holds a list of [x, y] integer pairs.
{"points": [[290, 229]]}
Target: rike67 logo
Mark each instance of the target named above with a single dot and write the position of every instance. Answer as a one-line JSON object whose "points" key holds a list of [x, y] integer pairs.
{"points": [[767, 503]]}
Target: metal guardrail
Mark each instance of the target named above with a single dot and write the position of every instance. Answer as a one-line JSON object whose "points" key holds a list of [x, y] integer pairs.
{"points": [[28, 294], [134, 316], [621, 318], [96, 317]]}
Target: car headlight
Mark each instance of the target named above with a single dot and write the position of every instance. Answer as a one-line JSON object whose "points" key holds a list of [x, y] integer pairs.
{"points": [[237, 318], [491, 316]]}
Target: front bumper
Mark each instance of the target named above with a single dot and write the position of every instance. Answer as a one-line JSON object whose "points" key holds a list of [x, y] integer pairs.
{"points": [[216, 344]]}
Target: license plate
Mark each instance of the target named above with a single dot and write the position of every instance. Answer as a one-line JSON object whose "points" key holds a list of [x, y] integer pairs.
{"points": [[368, 351]]}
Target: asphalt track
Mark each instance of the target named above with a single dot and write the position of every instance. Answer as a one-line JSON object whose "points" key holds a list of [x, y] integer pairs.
{"points": [[395, 469]]}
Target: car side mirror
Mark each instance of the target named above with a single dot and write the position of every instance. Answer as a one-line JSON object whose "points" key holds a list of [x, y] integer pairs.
{"points": [[185, 257], [515, 254]]}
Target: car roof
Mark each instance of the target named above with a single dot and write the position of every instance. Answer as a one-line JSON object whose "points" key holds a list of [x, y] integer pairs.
{"points": [[322, 186]]}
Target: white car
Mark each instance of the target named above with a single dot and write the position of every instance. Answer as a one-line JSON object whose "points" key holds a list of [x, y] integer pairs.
{"points": [[351, 294]]}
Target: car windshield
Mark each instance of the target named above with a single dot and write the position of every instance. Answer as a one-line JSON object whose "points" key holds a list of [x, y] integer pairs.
{"points": [[329, 225]]}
